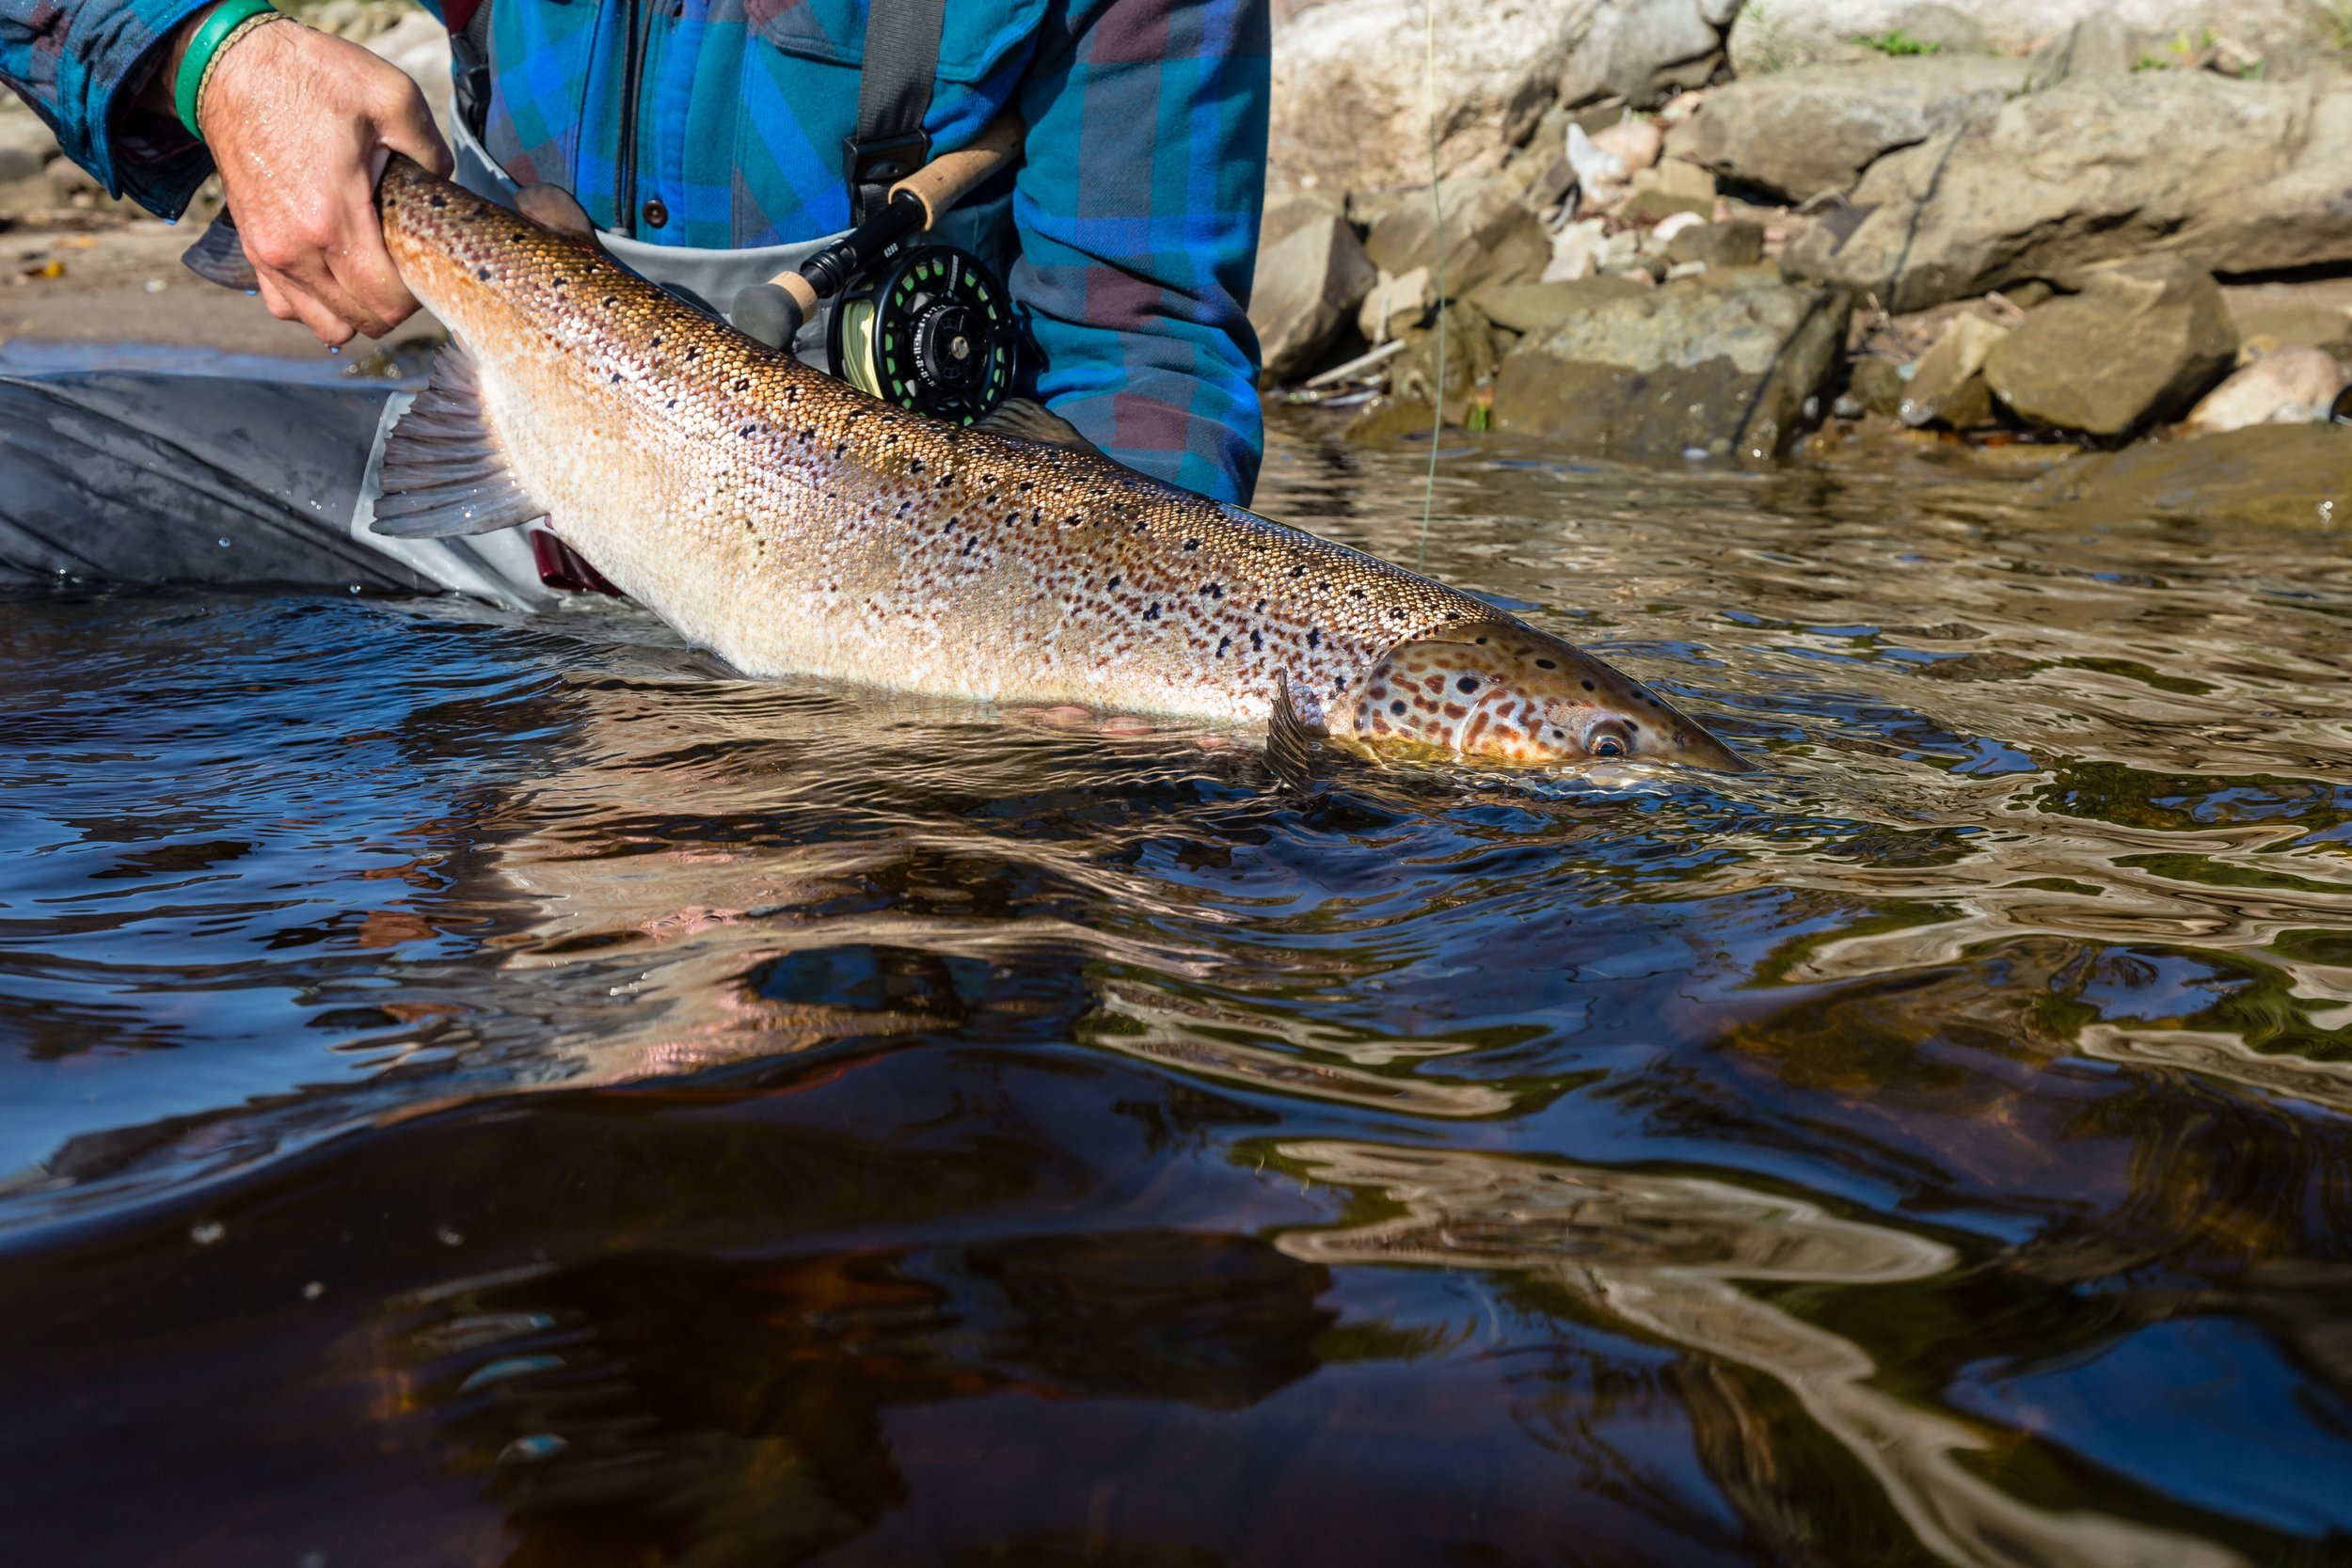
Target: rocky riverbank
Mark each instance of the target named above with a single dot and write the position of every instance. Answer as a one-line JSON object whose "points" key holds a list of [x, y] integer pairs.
{"points": [[1681, 229]]}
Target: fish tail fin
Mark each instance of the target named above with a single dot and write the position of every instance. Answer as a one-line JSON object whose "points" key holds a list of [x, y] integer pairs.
{"points": [[445, 471], [1293, 739]]}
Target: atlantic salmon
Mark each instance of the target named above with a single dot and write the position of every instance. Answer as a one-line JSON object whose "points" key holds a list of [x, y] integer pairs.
{"points": [[794, 525]]}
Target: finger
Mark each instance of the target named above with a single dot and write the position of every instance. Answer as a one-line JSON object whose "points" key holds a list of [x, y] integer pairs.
{"points": [[405, 125], [273, 297], [302, 305], [363, 271], [553, 207]]}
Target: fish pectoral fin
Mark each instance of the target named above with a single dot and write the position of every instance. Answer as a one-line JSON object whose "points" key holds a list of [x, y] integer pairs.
{"points": [[1028, 420], [445, 471], [1293, 742], [218, 256]]}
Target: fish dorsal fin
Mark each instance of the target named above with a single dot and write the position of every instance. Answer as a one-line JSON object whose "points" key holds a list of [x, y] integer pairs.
{"points": [[1293, 740], [1033, 421], [445, 471]]}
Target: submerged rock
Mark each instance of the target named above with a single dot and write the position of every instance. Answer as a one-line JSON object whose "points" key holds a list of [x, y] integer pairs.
{"points": [[1719, 366], [2294, 385], [1308, 288], [2140, 342], [1801, 133], [2233, 176], [2272, 474]]}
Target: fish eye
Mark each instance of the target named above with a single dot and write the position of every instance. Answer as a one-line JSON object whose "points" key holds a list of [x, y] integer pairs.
{"points": [[1609, 738]]}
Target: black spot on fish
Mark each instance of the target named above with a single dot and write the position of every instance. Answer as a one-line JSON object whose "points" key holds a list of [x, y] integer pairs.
{"points": [[611, 300], [1257, 640], [657, 341], [947, 527], [1588, 685], [673, 403], [1192, 543], [1466, 686], [1315, 636], [840, 447], [747, 431], [1152, 613], [1213, 589], [1028, 486], [437, 200], [483, 273], [558, 283], [1262, 607], [1397, 707], [1547, 664], [742, 382], [1112, 586], [914, 464], [1633, 725], [693, 351], [616, 375], [1222, 644], [1298, 571]]}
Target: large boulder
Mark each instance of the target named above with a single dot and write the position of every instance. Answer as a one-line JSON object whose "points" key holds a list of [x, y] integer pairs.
{"points": [[1488, 236], [1350, 106], [1308, 288], [1722, 365], [1351, 99], [1645, 51], [2141, 341], [1800, 133], [1777, 35], [2233, 176]]}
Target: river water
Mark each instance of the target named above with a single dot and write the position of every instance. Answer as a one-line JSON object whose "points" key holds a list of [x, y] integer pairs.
{"points": [[489, 1091]]}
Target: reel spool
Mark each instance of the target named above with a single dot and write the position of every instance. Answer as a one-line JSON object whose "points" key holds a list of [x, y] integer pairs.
{"points": [[928, 327]]}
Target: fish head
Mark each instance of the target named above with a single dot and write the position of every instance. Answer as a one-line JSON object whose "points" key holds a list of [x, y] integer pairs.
{"points": [[1501, 691]]}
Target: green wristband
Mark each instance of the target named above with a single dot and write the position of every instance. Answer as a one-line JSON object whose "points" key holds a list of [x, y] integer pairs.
{"points": [[226, 19]]}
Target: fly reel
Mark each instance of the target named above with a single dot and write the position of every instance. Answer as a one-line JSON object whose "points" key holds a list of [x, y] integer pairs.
{"points": [[928, 327]]}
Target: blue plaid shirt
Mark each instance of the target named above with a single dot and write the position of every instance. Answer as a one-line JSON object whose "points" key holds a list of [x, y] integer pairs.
{"points": [[1136, 206]]}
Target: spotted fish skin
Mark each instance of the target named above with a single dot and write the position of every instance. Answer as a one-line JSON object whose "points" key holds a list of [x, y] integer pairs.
{"points": [[795, 525]]}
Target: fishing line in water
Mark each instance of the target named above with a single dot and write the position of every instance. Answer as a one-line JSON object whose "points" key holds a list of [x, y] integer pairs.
{"points": [[1437, 205]]}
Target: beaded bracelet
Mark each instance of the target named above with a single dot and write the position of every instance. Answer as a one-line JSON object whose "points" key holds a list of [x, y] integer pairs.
{"points": [[228, 21]]}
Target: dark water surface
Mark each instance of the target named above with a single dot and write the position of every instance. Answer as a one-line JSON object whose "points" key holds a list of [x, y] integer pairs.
{"points": [[477, 1091]]}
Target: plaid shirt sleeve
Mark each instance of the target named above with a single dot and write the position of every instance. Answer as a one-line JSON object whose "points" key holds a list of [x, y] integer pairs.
{"points": [[81, 65], [1137, 215]]}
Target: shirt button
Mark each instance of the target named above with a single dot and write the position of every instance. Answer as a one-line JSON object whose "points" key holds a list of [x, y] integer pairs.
{"points": [[656, 215]]}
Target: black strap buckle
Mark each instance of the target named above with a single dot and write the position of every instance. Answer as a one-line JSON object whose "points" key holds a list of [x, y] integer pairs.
{"points": [[873, 166]]}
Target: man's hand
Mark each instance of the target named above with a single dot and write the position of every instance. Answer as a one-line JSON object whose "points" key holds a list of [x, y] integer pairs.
{"points": [[300, 124]]}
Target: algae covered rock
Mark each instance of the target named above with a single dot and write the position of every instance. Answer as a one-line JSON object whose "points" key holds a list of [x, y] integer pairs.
{"points": [[2275, 475], [1715, 367], [2142, 341]]}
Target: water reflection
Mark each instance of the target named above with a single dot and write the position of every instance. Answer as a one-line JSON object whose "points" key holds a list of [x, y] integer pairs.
{"points": [[883, 1130], [1667, 1255]]}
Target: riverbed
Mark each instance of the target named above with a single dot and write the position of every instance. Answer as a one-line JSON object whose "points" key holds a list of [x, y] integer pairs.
{"points": [[504, 1091]]}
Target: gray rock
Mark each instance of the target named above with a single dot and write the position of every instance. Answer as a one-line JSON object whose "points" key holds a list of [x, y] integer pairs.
{"points": [[1350, 109], [1878, 385], [2233, 176], [2140, 342], [1396, 306], [2292, 386], [1489, 236], [1720, 367], [1736, 243], [2270, 321], [1777, 35], [1803, 132], [1647, 51], [1947, 384], [1308, 287], [1536, 307], [2100, 45], [1289, 211]]}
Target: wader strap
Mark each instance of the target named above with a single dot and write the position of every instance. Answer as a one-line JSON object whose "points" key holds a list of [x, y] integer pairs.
{"points": [[893, 92], [470, 52]]}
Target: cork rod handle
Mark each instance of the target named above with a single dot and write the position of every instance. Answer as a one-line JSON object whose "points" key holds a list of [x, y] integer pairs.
{"points": [[944, 181]]}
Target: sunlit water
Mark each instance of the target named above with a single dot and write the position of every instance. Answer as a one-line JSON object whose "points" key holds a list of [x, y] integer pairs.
{"points": [[489, 1091]]}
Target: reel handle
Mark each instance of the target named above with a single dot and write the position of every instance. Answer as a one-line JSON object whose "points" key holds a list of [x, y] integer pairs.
{"points": [[950, 177]]}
